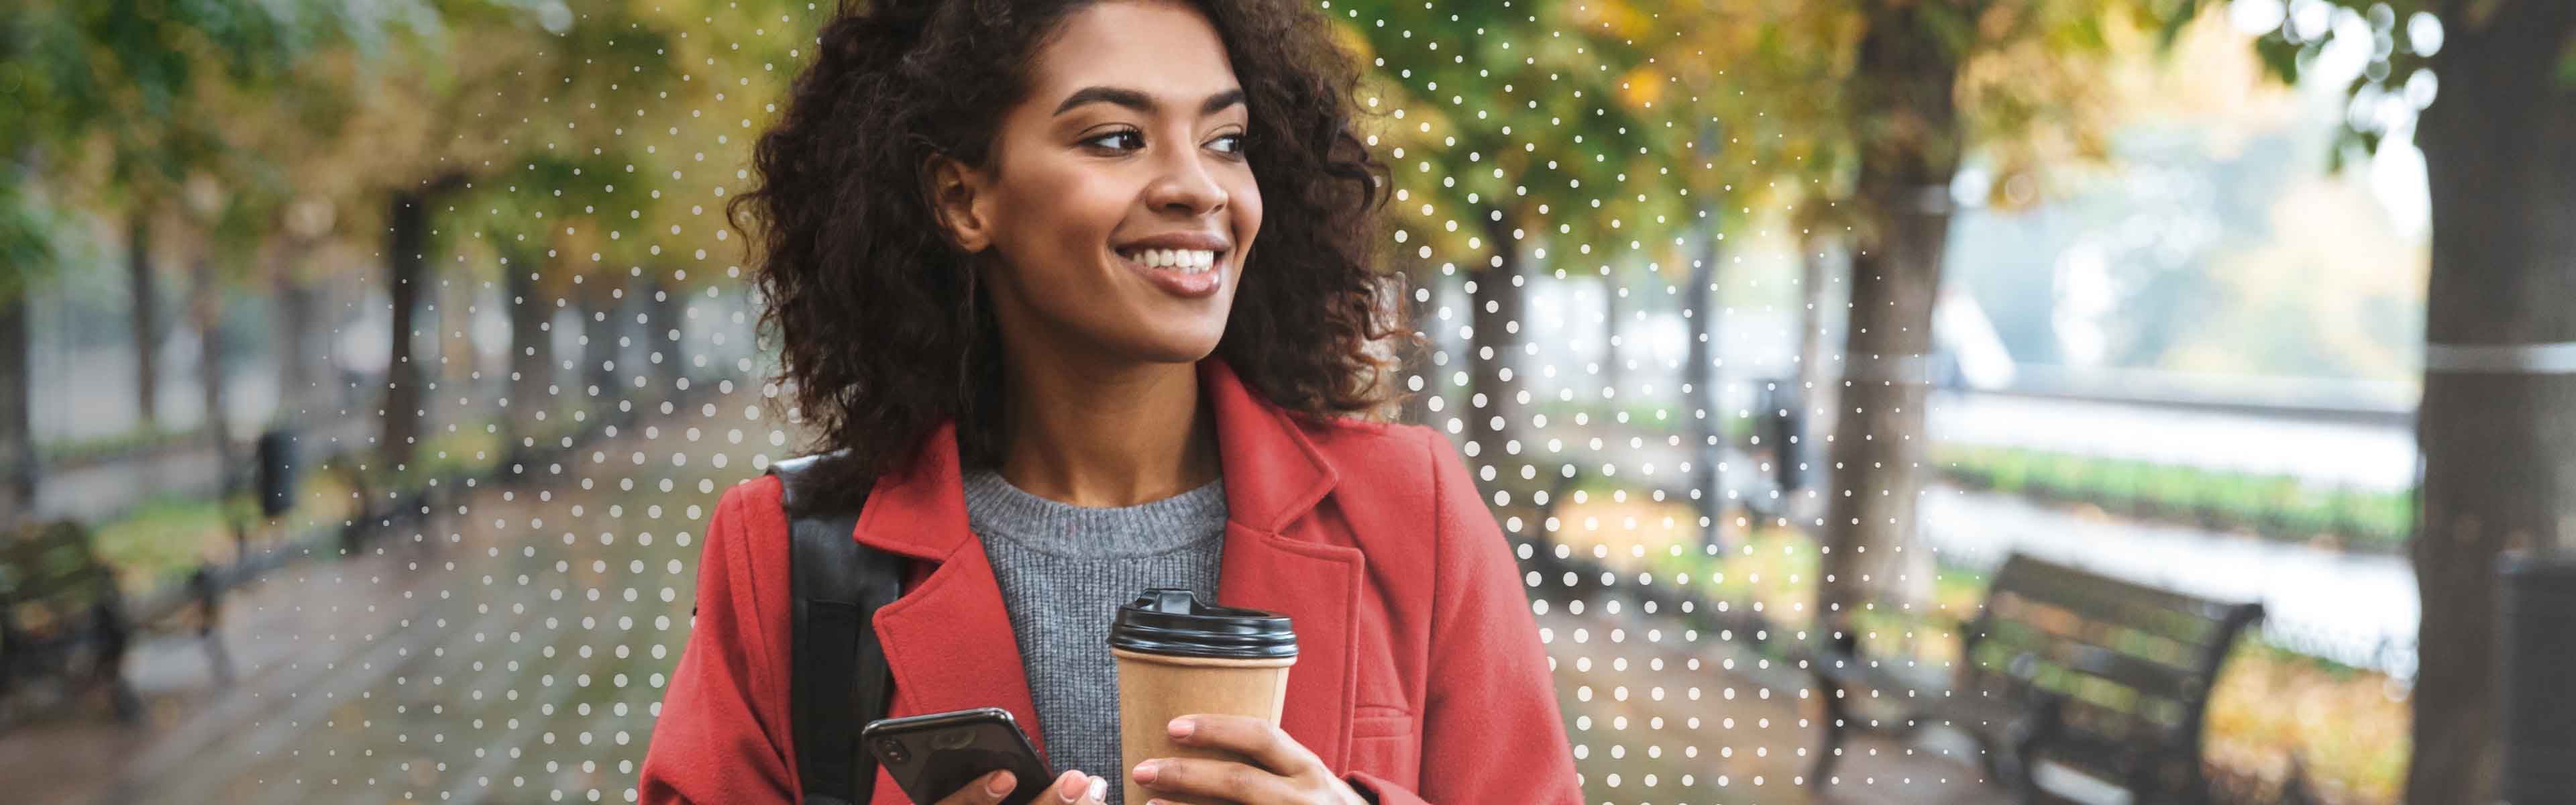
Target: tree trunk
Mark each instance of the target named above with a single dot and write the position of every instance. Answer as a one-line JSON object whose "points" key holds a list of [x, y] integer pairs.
{"points": [[600, 329], [664, 343], [17, 434], [147, 317], [2498, 445], [1877, 450], [409, 236], [458, 359], [1700, 400], [1817, 290], [1816, 386], [337, 299], [1496, 347], [532, 349], [206, 312], [1904, 81], [296, 357]]}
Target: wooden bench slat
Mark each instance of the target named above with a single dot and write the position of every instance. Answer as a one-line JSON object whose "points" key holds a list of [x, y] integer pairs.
{"points": [[2108, 598], [2006, 642]]}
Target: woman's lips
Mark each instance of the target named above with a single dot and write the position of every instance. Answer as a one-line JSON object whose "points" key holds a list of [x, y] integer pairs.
{"points": [[1200, 285]]}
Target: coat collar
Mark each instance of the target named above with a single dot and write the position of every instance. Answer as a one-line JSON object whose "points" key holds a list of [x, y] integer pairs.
{"points": [[1273, 474], [949, 639]]}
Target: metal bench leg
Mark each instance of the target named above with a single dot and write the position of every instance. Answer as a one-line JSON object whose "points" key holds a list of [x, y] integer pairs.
{"points": [[210, 608], [11, 646], [114, 634], [2025, 737]]}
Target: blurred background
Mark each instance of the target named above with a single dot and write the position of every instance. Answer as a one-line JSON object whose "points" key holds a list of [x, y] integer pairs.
{"points": [[1888, 400]]}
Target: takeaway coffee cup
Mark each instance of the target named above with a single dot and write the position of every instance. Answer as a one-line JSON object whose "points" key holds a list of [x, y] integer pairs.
{"points": [[1178, 656]]}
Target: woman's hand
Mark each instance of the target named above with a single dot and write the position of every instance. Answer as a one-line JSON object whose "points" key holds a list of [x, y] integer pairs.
{"points": [[1282, 772], [1072, 788]]}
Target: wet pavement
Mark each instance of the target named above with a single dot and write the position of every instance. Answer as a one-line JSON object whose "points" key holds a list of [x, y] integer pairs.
{"points": [[508, 650], [1661, 713], [511, 649]]}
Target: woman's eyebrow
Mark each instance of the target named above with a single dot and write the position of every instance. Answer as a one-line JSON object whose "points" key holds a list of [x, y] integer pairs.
{"points": [[1141, 102]]}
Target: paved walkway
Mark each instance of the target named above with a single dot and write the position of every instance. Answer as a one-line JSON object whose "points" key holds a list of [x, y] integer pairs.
{"points": [[295, 639], [508, 651], [359, 686], [1676, 716]]}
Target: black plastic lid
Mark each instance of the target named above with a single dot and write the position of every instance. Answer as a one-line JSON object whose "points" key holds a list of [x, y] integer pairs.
{"points": [[1172, 621]]}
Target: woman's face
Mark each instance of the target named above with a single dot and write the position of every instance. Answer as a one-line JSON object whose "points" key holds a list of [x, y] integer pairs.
{"points": [[1132, 133]]}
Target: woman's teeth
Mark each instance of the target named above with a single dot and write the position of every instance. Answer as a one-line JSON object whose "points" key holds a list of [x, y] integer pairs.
{"points": [[1186, 261]]}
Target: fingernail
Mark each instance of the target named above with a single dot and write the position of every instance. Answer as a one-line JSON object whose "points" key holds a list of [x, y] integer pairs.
{"points": [[1181, 727], [1074, 793], [1099, 789], [1145, 771], [999, 785]]}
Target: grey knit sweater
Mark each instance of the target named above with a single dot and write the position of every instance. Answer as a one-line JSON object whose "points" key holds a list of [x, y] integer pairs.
{"points": [[1064, 570]]}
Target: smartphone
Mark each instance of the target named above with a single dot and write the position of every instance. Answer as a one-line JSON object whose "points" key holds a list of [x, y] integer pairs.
{"points": [[935, 755]]}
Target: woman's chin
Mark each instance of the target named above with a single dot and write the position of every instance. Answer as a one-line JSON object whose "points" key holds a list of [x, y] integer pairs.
{"points": [[1184, 346]]}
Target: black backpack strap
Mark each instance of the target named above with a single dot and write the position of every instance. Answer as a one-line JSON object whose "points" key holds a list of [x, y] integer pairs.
{"points": [[840, 680]]}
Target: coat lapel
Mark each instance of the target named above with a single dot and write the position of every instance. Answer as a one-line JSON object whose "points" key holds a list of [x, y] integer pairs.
{"points": [[1273, 477], [948, 638]]}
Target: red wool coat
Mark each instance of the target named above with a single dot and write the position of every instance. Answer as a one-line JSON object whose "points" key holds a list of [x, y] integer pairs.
{"points": [[1420, 677]]}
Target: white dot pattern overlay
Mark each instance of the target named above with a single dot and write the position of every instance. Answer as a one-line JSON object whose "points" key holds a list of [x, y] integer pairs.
{"points": [[511, 642]]}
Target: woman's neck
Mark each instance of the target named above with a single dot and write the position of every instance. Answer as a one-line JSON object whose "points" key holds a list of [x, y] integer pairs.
{"points": [[1106, 437]]}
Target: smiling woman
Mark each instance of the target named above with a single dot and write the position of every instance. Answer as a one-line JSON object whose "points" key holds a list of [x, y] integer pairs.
{"points": [[948, 175], [1083, 298]]}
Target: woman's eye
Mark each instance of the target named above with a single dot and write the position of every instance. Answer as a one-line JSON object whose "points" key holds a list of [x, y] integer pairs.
{"points": [[1120, 133], [1236, 148]]}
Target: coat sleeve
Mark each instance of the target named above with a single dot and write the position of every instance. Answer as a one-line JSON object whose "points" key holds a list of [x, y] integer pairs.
{"points": [[1489, 673], [720, 735]]}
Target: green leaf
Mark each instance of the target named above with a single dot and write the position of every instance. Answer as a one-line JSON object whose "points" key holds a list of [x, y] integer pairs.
{"points": [[2182, 14], [27, 254], [1950, 27], [2085, 34], [2280, 57]]}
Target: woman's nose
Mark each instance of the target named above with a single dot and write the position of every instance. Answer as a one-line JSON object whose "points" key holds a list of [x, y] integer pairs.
{"points": [[1188, 186]]}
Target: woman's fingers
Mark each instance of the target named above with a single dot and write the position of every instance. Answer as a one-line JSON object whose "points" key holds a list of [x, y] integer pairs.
{"points": [[1263, 743], [1070, 788], [986, 790], [1203, 780], [1076, 788]]}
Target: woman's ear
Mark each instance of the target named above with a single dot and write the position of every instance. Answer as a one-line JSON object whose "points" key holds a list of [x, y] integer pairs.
{"points": [[957, 200]]}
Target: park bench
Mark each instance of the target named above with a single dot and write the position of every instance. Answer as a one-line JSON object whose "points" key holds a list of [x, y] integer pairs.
{"points": [[2104, 676], [63, 616]]}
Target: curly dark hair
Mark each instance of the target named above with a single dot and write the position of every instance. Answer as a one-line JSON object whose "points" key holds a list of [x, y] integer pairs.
{"points": [[883, 332]]}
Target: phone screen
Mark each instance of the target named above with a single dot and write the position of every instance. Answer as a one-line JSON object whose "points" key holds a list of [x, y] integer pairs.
{"points": [[933, 756]]}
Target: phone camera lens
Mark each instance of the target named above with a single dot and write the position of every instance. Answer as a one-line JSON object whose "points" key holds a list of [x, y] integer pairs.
{"points": [[892, 750]]}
